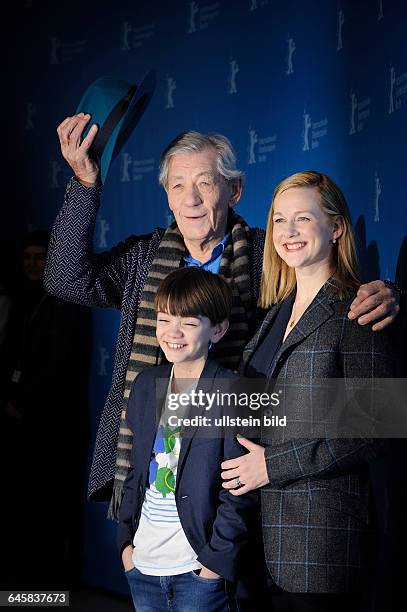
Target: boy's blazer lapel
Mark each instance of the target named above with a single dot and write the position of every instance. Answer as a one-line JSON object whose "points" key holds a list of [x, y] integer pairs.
{"points": [[205, 383], [151, 418]]}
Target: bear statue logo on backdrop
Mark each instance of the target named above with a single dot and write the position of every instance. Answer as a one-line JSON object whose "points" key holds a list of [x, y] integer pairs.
{"points": [[127, 28], [139, 35], [391, 89], [103, 359], [134, 170], [354, 105], [380, 10], [359, 113], [260, 147], [377, 193], [55, 46], [253, 140], [306, 129], [234, 69], [199, 16], [63, 52], [55, 171], [193, 11], [313, 131], [171, 87], [255, 4], [290, 53], [397, 91], [127, 162], [341, 21], [104, 227]]}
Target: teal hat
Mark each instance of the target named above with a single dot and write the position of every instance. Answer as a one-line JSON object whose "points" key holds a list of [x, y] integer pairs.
{"points": [[116, 107]]}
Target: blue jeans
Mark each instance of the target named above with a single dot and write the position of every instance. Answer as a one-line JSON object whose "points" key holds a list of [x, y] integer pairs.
{"points": [[182, 593]]}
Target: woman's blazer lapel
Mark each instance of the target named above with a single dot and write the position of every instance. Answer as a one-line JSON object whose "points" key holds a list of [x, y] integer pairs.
{"points": [[261, 331], [317, 313]]}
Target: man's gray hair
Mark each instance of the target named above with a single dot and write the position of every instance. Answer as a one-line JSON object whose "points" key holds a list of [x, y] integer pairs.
{"points": [[195, 142]]}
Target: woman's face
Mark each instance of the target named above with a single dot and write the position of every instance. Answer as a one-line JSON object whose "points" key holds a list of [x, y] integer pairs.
{"points": [[302, 231]]}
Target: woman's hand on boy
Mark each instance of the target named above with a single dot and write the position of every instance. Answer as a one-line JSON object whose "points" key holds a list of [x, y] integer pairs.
{"points": [[247, 472]]}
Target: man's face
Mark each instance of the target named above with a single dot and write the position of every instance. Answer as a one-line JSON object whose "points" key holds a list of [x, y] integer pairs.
{"points": [[199, 196], [34, 262]]}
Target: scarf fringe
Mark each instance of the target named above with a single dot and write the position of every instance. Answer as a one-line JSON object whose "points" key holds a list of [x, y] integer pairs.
{"points": [[115, 502]]}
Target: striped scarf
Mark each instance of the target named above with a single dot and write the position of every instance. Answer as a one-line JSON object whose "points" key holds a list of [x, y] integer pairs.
{"points": [[235, 269]]}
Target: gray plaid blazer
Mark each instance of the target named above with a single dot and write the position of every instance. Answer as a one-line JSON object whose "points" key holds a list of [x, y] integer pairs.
{"points": [[316, 516]]}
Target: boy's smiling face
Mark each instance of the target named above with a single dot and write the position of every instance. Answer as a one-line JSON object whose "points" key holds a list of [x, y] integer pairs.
{"points": [[186, 338]]}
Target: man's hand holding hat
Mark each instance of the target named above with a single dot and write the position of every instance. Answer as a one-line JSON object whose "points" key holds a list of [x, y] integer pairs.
{"points": [[76, 152]]}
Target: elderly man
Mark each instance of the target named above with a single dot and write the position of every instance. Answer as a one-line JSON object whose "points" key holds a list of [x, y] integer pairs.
{"points": [[199, 175]]}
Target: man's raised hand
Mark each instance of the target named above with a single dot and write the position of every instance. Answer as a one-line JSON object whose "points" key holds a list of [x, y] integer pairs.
{"points": [[76, 151]]}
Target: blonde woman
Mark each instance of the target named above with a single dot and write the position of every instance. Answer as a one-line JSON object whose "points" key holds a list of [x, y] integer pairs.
{"points": [[315, 493]]}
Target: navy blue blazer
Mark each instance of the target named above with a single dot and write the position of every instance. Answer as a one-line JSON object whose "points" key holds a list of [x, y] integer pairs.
{"points": [[216, 524]]}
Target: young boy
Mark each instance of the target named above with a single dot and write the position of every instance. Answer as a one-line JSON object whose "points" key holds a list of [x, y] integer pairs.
{"points": [[180, 533]]}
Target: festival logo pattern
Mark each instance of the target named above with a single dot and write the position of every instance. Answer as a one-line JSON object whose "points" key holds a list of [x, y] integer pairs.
{"points": [[326, 90], [291, 48], [135, 36], [341, 21], [54, 174], [377, 192], [234, 69], [134, 170], [103, 359], [313, 131], [171, 87], [62, 52], [200, 16], [103, 229]]}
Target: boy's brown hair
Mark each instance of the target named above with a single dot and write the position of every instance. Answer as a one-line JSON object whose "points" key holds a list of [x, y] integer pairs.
{"points": [[194, 292]]}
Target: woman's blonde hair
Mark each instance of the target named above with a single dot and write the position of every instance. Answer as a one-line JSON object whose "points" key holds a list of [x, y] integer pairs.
{"points": [[278, 279]]}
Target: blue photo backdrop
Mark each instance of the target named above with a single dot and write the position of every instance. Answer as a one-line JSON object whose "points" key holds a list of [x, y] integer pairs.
{"points": [[295, 84]]}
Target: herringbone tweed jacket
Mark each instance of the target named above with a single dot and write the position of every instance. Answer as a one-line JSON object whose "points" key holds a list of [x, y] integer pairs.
{"points": [[316, 511], [112, 279]]}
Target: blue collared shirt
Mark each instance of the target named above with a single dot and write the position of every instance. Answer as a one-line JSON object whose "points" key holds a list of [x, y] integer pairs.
{"points": [[213, 264]]}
